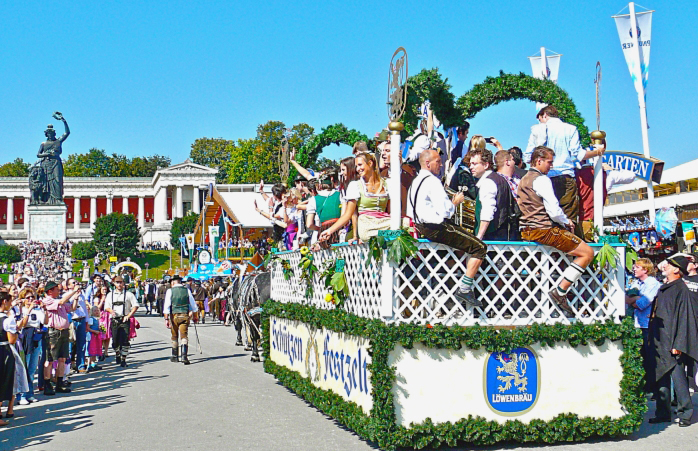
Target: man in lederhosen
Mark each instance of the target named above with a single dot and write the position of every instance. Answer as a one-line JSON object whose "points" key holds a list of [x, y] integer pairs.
{"points": [[160, 295], [179, 310], [122, 304], [200, 293]]}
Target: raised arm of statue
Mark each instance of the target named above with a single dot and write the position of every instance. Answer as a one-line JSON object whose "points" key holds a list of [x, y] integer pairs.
{"points": [[67, 130]]}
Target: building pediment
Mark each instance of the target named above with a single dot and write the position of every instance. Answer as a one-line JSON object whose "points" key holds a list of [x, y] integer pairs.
{"points": [[188, 167]]}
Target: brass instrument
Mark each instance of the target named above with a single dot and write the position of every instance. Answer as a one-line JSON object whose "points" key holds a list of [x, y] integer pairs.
{"points": [[465, 212]]}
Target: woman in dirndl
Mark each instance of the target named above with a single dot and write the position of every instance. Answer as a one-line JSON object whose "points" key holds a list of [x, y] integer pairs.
{"points": [[9, 357], [369, 197], [104, 323]]}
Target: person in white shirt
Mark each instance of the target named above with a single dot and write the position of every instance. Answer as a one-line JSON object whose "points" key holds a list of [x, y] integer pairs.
{"points": [[431, 209], [122, 304], [544, 222]]}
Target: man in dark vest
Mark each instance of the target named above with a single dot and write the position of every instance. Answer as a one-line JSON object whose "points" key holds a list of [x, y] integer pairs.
{"points": [[179, 309], [495, 208], [543, 221]]}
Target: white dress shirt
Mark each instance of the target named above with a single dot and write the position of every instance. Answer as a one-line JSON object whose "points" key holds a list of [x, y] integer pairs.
{"points": [[487, 194], [433, 204], [543, 186], [563, 138]]}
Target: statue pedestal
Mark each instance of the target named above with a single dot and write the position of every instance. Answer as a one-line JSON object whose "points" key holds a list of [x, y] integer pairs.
{"points": [[47, 222]]}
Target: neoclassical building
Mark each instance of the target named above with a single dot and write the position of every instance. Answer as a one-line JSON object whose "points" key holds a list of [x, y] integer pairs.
{"points": [[171, 193]]}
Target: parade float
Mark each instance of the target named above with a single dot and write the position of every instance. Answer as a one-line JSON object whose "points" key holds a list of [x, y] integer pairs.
{"points": [[370, 333]]}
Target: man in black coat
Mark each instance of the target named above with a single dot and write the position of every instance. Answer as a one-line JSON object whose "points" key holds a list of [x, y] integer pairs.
{"points": [[673, 342]]}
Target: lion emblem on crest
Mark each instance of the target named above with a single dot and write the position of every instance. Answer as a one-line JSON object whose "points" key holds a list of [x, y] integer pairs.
{"points": [[511, 367]]}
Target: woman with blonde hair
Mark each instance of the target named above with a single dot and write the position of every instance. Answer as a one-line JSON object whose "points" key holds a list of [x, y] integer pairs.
{"points": [[369, 197]]}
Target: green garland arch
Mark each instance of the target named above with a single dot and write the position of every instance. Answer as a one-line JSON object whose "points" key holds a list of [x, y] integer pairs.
{"points": [[333, 134], [428, 84]]}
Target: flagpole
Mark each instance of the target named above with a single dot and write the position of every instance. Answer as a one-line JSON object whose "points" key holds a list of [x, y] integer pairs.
{"points": [[643, 107]]}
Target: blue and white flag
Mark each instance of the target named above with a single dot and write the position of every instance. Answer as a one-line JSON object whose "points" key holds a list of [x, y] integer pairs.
{"points": [[639, 70]]}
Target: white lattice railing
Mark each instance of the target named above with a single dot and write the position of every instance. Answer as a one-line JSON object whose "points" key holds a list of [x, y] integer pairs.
{"points": [[512, 284]]}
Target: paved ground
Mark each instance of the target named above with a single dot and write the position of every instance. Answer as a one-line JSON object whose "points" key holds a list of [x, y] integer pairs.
{"points": [[221, 401]]}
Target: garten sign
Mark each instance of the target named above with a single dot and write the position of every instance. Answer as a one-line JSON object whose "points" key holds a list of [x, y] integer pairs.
{"points": [[649, 169]]}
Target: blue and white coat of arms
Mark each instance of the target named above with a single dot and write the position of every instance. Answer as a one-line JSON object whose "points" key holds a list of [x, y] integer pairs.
{"points": [[512, 381]]}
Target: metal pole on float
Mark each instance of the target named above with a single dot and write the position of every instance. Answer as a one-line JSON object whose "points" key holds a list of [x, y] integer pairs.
{"points": [[643, 109], [598, 137], [397, 101]]}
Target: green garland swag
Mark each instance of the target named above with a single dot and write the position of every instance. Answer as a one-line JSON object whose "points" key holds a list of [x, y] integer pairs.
{"points": [[429, 85], [332, 134], [380, 427], [399, 244]]}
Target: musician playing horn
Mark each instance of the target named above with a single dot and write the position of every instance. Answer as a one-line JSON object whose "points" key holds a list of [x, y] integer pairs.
{"points": [[431, 209]]}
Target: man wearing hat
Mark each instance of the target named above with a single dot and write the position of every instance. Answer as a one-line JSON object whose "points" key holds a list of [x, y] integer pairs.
{"points": [[673, 341], [200, 295], [57, 310], [179, 310], [122, 304]]}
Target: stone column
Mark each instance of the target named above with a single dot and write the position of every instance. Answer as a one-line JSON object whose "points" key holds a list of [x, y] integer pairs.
{"points": [[160, 209], [141, 211], [124, 205], [110, 198], [179, 210], [93, 210], [196, 205], [26, 214], [10, 213], [77, 215]]}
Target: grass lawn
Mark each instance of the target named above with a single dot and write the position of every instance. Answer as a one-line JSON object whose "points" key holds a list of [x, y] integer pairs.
{"points": [[159, 263]]}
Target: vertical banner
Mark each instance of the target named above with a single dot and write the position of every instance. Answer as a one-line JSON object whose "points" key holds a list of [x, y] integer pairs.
{"points": [[639, 70], [545, 67], [213, 240]]}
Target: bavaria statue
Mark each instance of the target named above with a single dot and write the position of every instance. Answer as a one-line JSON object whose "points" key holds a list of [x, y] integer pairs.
{"points": [[46, 175]]}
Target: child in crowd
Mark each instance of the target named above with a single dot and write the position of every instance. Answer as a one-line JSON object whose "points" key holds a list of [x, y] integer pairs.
{"points": [[94, 349]]}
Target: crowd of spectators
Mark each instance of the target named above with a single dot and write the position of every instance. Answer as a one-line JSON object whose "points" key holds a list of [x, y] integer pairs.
{"points": [[52, 326], [45, 259]]}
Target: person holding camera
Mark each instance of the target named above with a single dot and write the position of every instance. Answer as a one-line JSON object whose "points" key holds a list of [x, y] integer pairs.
{"points": [[57, 310], [31, 338]]}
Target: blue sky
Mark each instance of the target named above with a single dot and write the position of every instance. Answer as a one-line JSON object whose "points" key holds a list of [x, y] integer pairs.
{"points": [[140, 78]]}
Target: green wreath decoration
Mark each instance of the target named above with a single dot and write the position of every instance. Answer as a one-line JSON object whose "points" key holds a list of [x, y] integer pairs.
{"points": [[332, 134], [429, 84]]}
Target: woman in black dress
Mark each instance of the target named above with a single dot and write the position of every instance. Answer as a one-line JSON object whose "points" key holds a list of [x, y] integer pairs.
{"points": [[8, 337]]}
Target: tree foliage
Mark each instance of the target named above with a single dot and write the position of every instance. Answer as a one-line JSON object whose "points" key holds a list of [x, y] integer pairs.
{"points": [[126, 233], [96, 163], [182, 226], [214, 153], [252, 160], [83, 250], [9, 253], [17, 168]]}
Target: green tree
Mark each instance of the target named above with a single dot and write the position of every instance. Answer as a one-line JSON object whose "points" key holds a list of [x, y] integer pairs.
{"points": [[125, 229], [252, 160], [9, 253], [96, 163], [83, 250], [213, 152], [17, 168], [182, 226]]}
